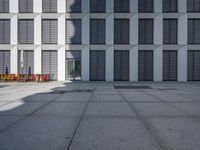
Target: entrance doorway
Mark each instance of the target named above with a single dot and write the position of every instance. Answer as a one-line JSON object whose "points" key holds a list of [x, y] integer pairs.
{"points": [[73, 64]]}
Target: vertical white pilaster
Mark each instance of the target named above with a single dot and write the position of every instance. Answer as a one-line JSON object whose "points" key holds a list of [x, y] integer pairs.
{"points": [[38, 60], [158, 30], [13, 60], [86, 6], [182, 6], [109, 63], [37, 30], [85, 63], [134, 64], [182, 64], [158, 6], [13, 4], [182, 29], [37, 6], [158, 64], [133, 6], [86, 29], [61, 63], [109, 6], [134, 29], [13, 28], [61, 6], [110, 29], [61, 29]]}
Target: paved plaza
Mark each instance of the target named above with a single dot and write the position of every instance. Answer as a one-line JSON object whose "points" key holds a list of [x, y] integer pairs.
{"points": [[100, 116]]}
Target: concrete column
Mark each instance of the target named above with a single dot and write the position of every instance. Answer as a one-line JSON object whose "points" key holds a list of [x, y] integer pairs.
{"points": [[134, 29], [13, 29], [37, 6], [158, 6], [182, 6], [158, 64], [61, 64], [13, 5], [182, 64], [110, 26], [85, 63], [86, 29], [133, 6], [109, 6], [109, 63], [182, 29], [13, 60], [134, 64], [86, 6], [158, 30], [37, 30], [61, 29], [38, 60], [61, 6]]}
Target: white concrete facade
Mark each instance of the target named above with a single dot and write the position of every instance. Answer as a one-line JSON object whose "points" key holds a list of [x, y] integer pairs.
{"points": [[109, 47]]}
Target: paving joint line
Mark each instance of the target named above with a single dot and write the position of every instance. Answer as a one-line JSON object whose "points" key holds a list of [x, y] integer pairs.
{"points": [[79, 122], [28, 115], [138, 116]]}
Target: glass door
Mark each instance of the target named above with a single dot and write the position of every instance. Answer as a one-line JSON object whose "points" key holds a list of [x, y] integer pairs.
{"points": [[73, 69]]}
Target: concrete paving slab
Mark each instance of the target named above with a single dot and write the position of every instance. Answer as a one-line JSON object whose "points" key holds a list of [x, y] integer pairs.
{"points": [[177, 133], [140, 98], [20, 108], [106, 97], [82, 97], [65, 109], [41, 97], [39, 133], [113, 134], [157, 109], [109, 109], [192, 108], [173, 98], [6, 121]]}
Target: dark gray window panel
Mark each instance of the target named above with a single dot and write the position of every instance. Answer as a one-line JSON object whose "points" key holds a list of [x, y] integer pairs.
{"points": [[170, 31], [4, 6], [121, 31], [97, 65], [121, 65], [50, 63], [4, 31], [4, 61], [73, 6], [73, 54], [170, 6], [26, 31], [49, 6], [121, 6], [146, 6], [145, 66], [97, 31], [97, 6], [146, 35], [28, 56], [49, 31], [193, 65], [170, 65], [194, 31], [73, 31], [193, 6], [25, 6]]}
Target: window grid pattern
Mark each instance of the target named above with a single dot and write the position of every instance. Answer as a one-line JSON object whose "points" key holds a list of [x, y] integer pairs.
{"points": [[146, 6], [4, 31], [194, 31], [97, 6], [4, 6], [25, 6], [121, 6], [170, 6], [193, 6], [49, 6]]}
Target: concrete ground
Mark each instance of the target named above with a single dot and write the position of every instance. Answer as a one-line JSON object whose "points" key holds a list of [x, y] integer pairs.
{"points": [[97, 116]]}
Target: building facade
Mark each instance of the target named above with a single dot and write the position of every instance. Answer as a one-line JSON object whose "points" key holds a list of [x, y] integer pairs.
{"points": [[101, 40]]}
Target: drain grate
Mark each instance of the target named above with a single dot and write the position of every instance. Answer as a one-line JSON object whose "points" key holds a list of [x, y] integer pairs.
{"points": [[132, 87], [72, 91]]}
